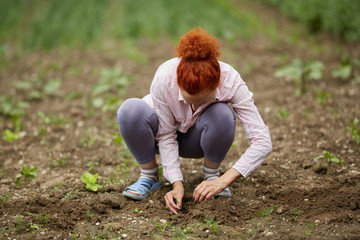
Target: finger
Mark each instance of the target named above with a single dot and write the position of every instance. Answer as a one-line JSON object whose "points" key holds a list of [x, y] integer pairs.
{"points": [[210, 194], [172, 204], [198, 191], [203, 194], [168, 204]]}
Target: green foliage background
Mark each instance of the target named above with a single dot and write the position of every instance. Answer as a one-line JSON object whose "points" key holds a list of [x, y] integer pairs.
{"points": [[341, 17], [41, 24]]}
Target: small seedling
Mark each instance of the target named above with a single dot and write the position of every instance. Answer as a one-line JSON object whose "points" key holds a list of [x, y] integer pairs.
{"points": [[89, 215], [329, 158], [160, 226], [5, 197], [120, 171], [296, 213], [71, 195], [355, 131], [212, 224], [28, 174], [19, 225], [321, 96], [10, 136], [58, 162], [59, 185], [90, 181], [138, 210], [282, 113], [266, 211]]}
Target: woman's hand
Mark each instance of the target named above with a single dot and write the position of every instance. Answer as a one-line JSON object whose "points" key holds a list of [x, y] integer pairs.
{"points": [[207, 189], [174, 198]]}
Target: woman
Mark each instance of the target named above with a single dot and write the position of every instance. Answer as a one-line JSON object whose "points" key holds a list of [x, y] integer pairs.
{"points": [[186, 114]]}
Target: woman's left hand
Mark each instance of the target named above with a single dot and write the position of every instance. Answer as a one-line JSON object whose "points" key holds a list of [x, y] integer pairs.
{"points": [[207, 189]]}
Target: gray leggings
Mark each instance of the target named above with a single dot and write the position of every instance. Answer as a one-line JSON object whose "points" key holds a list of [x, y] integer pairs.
{"points": [[210, 137]]}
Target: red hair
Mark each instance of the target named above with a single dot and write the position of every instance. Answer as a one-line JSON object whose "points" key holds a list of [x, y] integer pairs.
{"points": [[198, 69]]}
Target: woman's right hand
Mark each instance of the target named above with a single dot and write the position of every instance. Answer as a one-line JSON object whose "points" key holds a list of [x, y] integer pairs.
{"points": [[174, 198]]}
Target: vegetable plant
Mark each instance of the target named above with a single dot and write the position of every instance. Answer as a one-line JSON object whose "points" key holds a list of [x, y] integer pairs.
{"points": [[355, 131], [348, 69], [301, 72], [90, 181], [212, 224], [321, 96], [27, 174], [329, 158], [10, 136]]}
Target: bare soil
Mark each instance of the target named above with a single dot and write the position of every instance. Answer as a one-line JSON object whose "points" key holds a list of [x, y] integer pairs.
{"points": [[290, 196]]}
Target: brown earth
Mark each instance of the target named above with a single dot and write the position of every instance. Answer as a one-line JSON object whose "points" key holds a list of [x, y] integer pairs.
{"points": [[290, 196]]}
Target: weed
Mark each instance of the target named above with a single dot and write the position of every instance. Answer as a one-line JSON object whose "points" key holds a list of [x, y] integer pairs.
{"points": [[295, 213], [355, 131], [329, 158], [10, 136], [138, 210], [45, 220], [58, 162], [90, 181], [27, 173], [59, 185], [19, 224], [91, 164], [89, 215], [120, 171], [212, 224], [71, 195], [161, 227], [282, 113], [5, 197], [310, 228], [301, 72], [321, 96], [266, 211]]}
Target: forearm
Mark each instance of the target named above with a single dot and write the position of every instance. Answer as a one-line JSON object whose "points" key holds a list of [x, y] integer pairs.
{"points": [[230, 176]]}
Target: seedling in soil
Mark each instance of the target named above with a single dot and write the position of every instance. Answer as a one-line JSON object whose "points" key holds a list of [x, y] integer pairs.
{"points": [[310, 228], [120, 171], [355, 131], [10, 136], [12, 108], [300, 72], [89, 215], [58, 162], [19, 225], [5, 198], [27, 174], [90, 181], [138, 210], [266, 211], [295, 212], [161, 227], [41, 219], [59, 185], [282, 114], [321, 96], [212, 224], [329, 158], [71, 195]]}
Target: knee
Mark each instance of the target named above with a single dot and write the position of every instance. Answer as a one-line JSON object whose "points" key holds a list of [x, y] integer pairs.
{"points": [[219, 116], [129, 111]]}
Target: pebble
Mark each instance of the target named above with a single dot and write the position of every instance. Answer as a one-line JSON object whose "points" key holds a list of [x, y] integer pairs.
{"points": [[269, 234], [279, 210], [124, 235], [317, 222], [163, 221]]}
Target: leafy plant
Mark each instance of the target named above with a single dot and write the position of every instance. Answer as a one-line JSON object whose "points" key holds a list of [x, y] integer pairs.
{"points": [[282, 113], [295, 213], [329, 158], [89, 215], [71, 195], [344, 70], [138, 210], [266, 211], [27, 173], [58, 162], [321, 96], [300, 72], [19, 225], [355, 131], [10, 136], [90, 181], [160, 226], [211, 223]]}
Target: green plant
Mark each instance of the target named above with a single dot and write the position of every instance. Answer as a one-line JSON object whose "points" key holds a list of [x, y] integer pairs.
{"points": [[282, 113], [329, 158], [5, 197], [10, 136], [160, 226], [266, 211], [89, 215], [355, 131], [19, 224], [58, 162], [58, 186], [27, 173], [90, 181], [310, 228], [212, 224], [138, 210], [295, 213], [71, 195], [301, 72], [344, 70], [321, 96], [120, 176]]}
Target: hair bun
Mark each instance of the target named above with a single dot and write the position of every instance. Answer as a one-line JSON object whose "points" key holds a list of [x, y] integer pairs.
{"points": [[198, 44]]}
